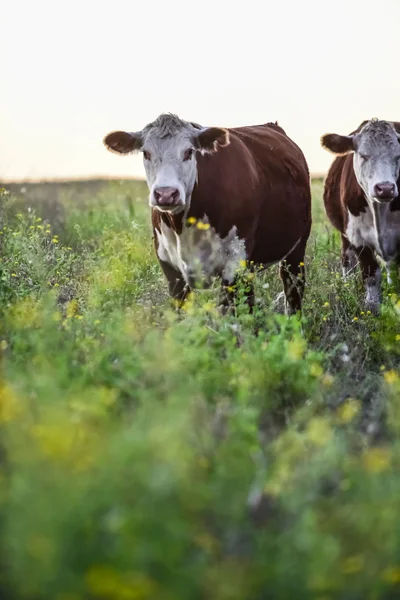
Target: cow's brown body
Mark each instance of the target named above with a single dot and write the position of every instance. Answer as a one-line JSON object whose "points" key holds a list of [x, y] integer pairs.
{"points": [[260, 184]]}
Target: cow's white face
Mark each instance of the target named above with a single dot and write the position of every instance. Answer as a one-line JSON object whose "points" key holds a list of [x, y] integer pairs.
{"points": [[169, 146], [376, 158]]}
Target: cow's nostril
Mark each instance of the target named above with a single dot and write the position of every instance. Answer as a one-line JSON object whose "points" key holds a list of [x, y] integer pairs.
{"points": [[384, 190], [166, 196]]}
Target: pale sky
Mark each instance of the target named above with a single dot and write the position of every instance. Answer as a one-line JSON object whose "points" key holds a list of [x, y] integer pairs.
{"points": [[70, 72]]}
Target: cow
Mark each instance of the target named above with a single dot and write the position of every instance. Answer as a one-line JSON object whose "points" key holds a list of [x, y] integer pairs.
{"points": [[249, 186], [361, 197]]}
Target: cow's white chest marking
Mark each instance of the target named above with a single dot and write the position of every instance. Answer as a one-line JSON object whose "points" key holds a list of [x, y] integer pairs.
{"points": [[169, 248], [378, 228]]}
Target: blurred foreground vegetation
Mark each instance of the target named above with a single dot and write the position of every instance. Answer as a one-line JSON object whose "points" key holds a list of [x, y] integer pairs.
{"points": [[147, 454]]}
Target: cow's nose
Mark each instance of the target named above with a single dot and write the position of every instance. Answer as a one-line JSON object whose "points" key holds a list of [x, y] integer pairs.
{"points": [[166, 196], [384, 191]]}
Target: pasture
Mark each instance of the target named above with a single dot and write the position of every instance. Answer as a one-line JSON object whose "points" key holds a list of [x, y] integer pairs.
{"points": [[149, 454]]}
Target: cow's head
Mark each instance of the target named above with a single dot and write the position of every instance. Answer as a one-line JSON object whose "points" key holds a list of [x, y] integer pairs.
{"points": [[169, 146], [376, 147]]}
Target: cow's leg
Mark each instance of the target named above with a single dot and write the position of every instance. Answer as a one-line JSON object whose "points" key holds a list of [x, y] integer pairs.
{"points": [[177, 286], [292, 274], [371, 275], [349, 258]]}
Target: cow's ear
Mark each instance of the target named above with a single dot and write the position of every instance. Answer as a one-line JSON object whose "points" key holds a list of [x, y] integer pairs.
{"points": [[209, 139], [123, 142], [338, 144], [396, 125]]}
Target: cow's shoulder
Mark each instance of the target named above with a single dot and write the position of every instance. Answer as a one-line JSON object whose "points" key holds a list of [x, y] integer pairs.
{"points": [[342, 193]]}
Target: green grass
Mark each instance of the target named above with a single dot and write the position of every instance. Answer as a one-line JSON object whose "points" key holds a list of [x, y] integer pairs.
{"points": [[153, 455]]}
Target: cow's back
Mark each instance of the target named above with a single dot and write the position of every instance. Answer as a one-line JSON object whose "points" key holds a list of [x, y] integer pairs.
{"points": [[260, 183]]}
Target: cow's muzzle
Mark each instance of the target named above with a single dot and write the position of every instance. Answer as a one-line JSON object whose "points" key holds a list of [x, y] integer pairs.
{"points": [[385, 191], [166, 198]]}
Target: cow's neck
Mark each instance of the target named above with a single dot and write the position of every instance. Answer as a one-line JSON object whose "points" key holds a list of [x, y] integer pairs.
{"points": [[386, 225], [379, 216]]}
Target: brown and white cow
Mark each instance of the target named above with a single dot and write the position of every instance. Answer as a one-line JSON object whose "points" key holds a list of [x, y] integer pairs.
{"points": [[362, 200], [250, 184]]}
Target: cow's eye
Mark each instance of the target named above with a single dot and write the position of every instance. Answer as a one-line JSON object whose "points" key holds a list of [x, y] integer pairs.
{"points": [[188, 154], [147, 155], [364, 156]]}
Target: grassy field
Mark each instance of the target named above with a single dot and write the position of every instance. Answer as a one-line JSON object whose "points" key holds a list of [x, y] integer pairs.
{"points": [[153, 455]]}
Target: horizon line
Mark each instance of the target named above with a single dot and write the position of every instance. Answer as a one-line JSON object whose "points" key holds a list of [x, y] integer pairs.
{"points": [[316, 175]]}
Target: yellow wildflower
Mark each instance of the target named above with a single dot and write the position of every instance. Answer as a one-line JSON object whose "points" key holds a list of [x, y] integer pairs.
{"points": [[296, 349], [377, 460], [353, 564], [97, 321], [328, 380], [279, 481], [203, 226], [208, 307], [316, 370], [242, 263], [38, 219], [39, 226], [188, 303], [301, 264], [25, 313], [54, 240], [369, 312], [13, 275], [398, 337], [391, 377], [106, 582], [391, 575], [319, 432], [72, 307], [56, 441], [326, 303], [355, 318], [348, 410], [10, 406], [191, 220]]}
